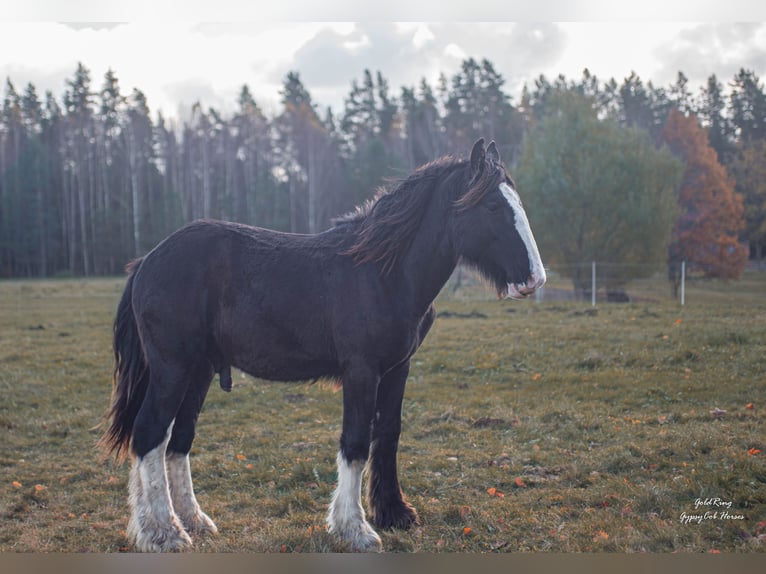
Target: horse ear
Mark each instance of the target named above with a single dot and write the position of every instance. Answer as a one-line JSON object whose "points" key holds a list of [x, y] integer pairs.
{"points": [[492, 152], [477, 158]]}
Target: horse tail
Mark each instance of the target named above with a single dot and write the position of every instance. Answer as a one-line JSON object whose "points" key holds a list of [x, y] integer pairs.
{"points": [[130, 378]]}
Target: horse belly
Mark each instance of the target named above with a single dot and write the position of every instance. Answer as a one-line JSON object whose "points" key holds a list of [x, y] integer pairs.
{"points": [[285, 366], [280, 354]]}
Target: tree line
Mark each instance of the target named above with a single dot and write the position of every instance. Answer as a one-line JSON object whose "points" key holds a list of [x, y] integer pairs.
{"points": [[91, 179]]}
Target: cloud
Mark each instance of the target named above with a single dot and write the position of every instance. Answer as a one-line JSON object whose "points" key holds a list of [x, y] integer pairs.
{"points": [[93, 25], [53, 80], [518, 50], [712, 48], [180, 62], [332, 59], [195, 90], [406, 53]]}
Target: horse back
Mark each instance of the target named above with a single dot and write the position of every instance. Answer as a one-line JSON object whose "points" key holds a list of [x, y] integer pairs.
{"points": [[276, 305]]}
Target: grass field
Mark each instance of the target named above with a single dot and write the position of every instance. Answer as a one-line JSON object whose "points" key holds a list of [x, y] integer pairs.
{"points": [[551, 427]]}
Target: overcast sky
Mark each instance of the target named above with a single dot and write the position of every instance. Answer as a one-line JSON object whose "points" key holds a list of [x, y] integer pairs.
{"points": [[210, 55]]}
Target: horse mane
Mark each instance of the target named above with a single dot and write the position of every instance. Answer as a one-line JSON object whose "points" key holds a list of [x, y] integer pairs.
{"points": [[385, 225]]}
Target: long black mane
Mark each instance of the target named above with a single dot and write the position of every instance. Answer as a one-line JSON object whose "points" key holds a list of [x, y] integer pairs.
{"points": [[385, 225]]}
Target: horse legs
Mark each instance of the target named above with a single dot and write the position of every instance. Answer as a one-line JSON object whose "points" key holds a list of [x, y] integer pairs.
{"points": [[346, 515], [386, 503], [153, 525], [177, 459]]}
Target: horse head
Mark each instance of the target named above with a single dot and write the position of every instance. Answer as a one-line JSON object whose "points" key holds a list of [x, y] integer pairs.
{"points": [[490, 229]]}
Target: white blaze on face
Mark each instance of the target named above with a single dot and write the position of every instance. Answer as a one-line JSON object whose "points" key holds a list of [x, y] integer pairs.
{"points": [[536, 270]]}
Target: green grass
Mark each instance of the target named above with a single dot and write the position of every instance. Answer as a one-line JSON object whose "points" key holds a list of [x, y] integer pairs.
{"points": [[594, 427]]}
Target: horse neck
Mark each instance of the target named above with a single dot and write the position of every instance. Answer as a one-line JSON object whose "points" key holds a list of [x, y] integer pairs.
{"points": [[430, 260]]}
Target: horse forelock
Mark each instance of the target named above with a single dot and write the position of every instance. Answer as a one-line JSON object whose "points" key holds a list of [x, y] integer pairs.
{"points": [[488, 180]]}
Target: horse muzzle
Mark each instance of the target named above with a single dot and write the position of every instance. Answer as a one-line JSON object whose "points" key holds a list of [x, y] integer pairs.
{"points": [[522, 290]]}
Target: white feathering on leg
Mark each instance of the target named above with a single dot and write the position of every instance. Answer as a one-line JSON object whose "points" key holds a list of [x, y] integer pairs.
{"points": [[346, 515], [153, 525], [182, 494]]}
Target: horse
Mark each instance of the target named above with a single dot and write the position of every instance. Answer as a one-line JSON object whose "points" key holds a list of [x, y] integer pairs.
{"points": [[352, 303]]}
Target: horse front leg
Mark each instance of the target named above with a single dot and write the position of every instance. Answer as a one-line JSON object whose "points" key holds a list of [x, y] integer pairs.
{"points": [[387, 505], [346, 515]]}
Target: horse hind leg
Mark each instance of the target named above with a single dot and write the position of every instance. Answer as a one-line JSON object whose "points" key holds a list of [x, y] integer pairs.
{"points": [[154, 525], [185, 504], [194, 520]]}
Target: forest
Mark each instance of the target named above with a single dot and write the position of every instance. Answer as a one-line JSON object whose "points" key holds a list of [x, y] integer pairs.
{"points": [[90, 179]]}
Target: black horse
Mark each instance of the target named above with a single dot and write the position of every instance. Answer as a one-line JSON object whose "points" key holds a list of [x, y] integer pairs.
{"points": [[353, 303]]}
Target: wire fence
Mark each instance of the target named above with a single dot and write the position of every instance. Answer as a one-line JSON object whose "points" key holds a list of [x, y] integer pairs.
{"points": [[595, 282]]}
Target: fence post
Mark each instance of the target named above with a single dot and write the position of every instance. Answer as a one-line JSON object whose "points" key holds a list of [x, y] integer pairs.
{"points": [[683, 282], [593, 284]]}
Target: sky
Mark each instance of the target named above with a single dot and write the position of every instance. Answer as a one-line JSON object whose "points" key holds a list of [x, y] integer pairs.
{"points": [[210, 50]]}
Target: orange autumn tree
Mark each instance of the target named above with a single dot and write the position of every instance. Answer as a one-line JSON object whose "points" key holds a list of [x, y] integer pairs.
{"points": [[706, 233]]}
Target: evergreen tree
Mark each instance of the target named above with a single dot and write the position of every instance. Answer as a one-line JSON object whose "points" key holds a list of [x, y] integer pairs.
{"points": [[140, 152], [33, 204], [642, 106], [370, 124], [711, 110], [747, 106], [679, 95], [78, 170], [114, 223], [477, 106], [423, 125], [252, 156], [307, 156], [52, 125], [748, 167], [11, 141]]}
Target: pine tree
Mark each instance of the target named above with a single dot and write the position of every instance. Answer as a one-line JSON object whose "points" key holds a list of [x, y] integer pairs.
{"points": [[423, 125], [305, 145], [11, 141], [52, 125], [371, 124], [679, 95], [252, 157], [642, 106], [79, 169], [138, 139], [748, 166], [33, 214], [747, 106], [477, 107], [711, 110], [113, 217]]}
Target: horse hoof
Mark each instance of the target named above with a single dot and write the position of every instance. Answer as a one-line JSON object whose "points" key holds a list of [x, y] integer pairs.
{"points": [[360, 536], [162, 539], [366, 540], [401, 516], [200, 524]]}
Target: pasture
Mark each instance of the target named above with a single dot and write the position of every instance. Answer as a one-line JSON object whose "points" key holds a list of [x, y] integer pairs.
{"points": [[527, 427]]}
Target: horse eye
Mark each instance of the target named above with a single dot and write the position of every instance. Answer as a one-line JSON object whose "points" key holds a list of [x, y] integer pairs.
{"points": [[493, 205]]}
